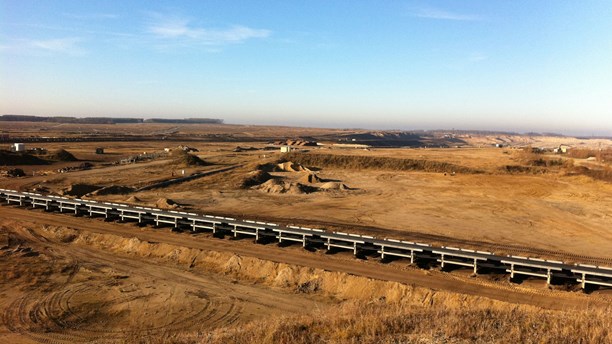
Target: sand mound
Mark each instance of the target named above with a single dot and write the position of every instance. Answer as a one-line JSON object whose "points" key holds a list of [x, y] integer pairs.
{"points": [[113, 190], [79, 190], [277, 187], [165, 203], [297, 188], [62, 155], [310, 178], [290, 166], [272, 186], [334, 186], [186, 159], [133, 199], [255, 178]]}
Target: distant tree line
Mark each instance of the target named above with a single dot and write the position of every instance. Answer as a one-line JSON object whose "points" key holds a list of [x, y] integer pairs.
{"points": [[66, 119], [103, 120], [186, 120]]}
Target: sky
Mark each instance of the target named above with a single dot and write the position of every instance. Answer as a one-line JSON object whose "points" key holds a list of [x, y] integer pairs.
{"points": [[510, 65]]}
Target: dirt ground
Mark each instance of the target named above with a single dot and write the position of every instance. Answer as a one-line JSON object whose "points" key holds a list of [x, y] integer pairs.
{"points": [[60, 286], [552, 213], [67, 279]]}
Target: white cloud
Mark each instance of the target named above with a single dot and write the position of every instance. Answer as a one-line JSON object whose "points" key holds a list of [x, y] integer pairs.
{"points": [[438, 14], [91, 16], [477, 57], [180, 28], [57, 44], [173, 28], [68, 45]]}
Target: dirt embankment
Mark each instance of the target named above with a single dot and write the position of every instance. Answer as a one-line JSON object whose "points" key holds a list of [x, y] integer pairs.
{"points": [[376, 163], [8, 158], [59, 287], [80, 190], [11, 159], [374, 311]]}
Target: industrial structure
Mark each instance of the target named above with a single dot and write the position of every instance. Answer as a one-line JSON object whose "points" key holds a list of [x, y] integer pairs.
{"points": [[359, 244], [18, 147]]}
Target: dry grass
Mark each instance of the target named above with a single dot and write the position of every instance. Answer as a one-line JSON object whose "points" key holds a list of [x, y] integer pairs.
{"points": [[531, 161], [528, 157], [379, 322], [375, 163], [604, 173], [603, 155]]}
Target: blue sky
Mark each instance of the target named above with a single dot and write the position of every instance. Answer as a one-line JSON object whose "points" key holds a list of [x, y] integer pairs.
{"points": [[503, 65]]}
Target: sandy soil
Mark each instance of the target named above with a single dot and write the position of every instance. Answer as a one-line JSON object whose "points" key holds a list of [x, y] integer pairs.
{"points": [[565, 214], [55, 285], [551, 215], [66, 279]]}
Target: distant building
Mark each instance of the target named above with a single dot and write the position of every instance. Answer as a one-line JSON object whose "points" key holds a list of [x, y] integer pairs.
{"points": [[285, 149], [18, 147], [562, 149]]}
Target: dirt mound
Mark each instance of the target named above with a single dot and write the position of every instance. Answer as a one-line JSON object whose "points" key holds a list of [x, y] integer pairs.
{"points": [[166, 203], [62, 155], [113, 190], [272, 186], [79, 190], [280, 187], [185, 159], [133, 199], [334, 186], [14, 172], [290, 166], [255, 178], [267, 167], [11, 158], [243, 149], [297, 188], [310, 178]]}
